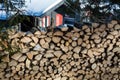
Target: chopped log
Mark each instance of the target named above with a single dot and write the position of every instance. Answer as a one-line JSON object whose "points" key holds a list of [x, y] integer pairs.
{"points": [[74, 44], [22, 58], [45, 46], [35, 68], [110, 47], [58, 53], [32, 44], [58, 78], [42, 41], [30, 55], [79, 41], [90, 53], [116, 49], [69, 34], [64, 57], [13, 63], [5, 58], [35, 39], [76, 55], [21, 73], [77, 49], [3, 65], [49, 55], [94, 66], [117, 27], [38, 57], [85, 27], [27, 63], [97, 40], [64, 48], [110, 36], [58, 33], [26, 40], [64, 29], [48, 39], [114, 22], [67, 43], [86, 38], [114, 33], [95, 36], [56, 39]]}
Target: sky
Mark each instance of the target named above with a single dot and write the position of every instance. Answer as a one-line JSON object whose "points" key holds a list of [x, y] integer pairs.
{"points": [[34, 7]]}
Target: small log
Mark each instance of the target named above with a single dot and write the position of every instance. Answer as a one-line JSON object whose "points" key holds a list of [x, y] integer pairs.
{"points": [[77, 49], [42, 41], [30, 55], [117, 27], [74, 44], [48, 39], [35, 39], [56, 39], [64, 29], [21, 73], [38, 57], [13, 63], [110, 36], [58, 53], [85, 27], [22, 58], [58, 33], [110, 47], [28, 63], [94, 66], [79, 41], [26, 40], [92, 60], [35, 68]]}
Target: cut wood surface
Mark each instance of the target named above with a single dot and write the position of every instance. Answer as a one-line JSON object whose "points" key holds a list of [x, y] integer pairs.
{"points": [[89, 53]]}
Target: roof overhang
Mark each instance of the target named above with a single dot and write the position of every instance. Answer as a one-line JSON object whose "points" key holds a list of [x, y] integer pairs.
{"points": [[35, 8]]}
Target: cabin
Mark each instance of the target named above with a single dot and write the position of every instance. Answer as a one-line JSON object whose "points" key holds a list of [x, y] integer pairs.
{"points": [[45, 14]]}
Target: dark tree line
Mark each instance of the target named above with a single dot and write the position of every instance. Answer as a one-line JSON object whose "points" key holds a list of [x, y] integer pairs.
{"points": [[96, 10]]}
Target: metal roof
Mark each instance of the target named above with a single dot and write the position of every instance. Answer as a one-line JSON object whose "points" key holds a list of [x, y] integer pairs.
{"points": [[34, 8]]}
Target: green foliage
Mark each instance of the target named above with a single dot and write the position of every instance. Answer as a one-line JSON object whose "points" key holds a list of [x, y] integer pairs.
{"points": [[5, 44]]}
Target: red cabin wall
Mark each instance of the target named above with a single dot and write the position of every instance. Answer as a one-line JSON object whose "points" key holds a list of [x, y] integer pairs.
{"points": [[59, 20]]}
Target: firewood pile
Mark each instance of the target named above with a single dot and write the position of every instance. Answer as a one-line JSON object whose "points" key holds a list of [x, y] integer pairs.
{"points": [[89, 53]]}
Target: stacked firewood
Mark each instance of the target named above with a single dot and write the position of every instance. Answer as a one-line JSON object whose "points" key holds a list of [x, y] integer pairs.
{"points": [[89, 53]]}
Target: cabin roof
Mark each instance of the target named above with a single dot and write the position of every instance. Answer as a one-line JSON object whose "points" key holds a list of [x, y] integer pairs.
{"points": [[34, 8]]}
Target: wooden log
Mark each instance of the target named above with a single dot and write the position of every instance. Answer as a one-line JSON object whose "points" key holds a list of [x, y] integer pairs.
{"points": [[22, 58], [79, 41], [94, 66], [13, 63], [84, 27], [110, 47], [42, 41], [3, 65], [28, 63], [74, 44], [26, 40], [64, 29], [35, 68], [58, 33], [35, 39], [58, 53], [48, 39], [21, 73], [38, 57], [56, 39], [77, 49], [64, 48]]}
